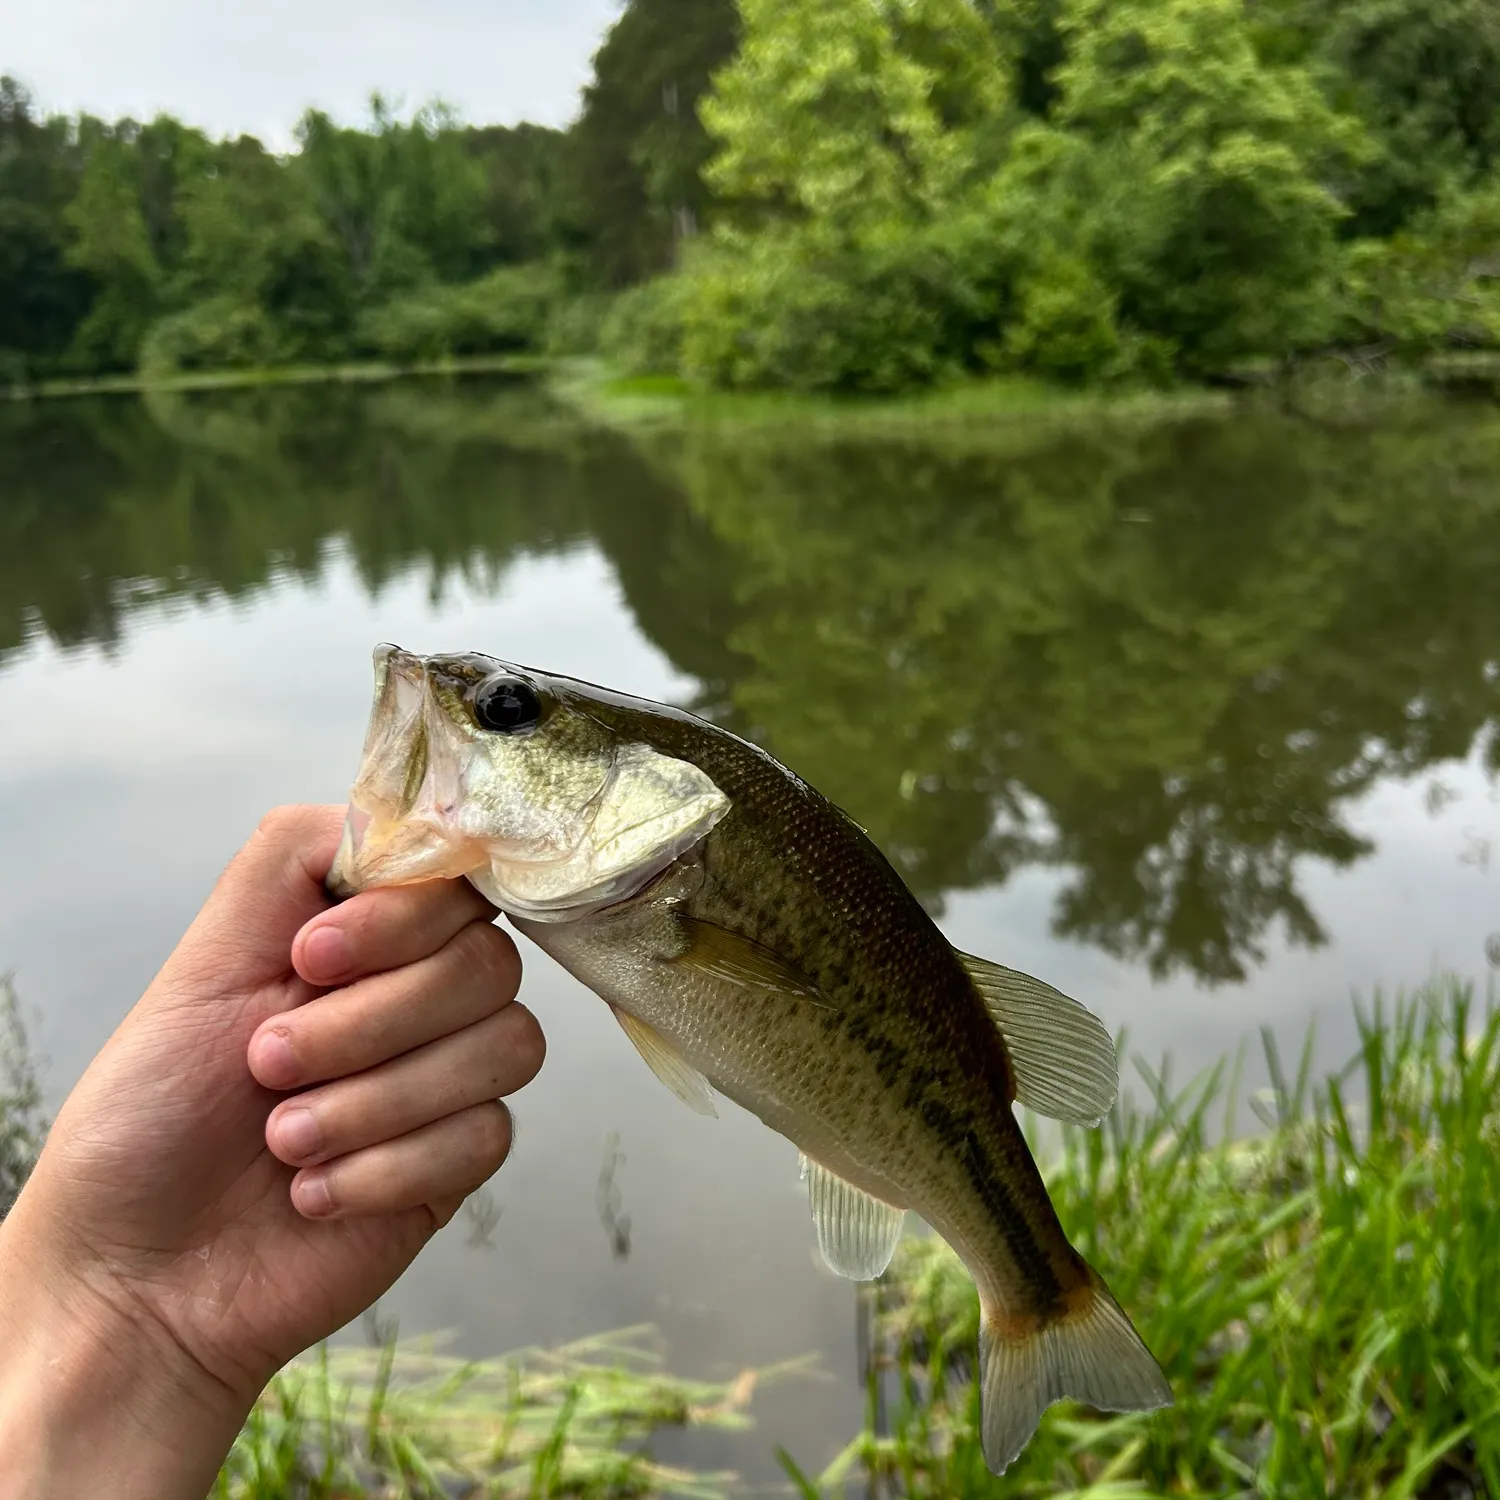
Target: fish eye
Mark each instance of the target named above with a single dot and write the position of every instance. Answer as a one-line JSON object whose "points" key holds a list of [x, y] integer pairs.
{"points": [[506, 704]]}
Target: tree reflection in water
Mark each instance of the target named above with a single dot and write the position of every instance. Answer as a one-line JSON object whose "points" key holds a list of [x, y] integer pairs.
{"points": [[1163, 659]]}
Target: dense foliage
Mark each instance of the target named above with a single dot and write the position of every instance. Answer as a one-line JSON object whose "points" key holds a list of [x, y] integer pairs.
{"points": [[817, 194], [125, 244]]}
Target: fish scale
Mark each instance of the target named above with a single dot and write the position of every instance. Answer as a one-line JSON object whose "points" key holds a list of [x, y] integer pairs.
{"points": [[752, 940]]}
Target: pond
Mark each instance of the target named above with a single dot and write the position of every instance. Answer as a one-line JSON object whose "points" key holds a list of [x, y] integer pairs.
{"points": [[1193, 718]]}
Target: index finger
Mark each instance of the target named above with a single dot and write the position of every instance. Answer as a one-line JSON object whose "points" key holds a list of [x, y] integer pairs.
{"points": [[385, 928]]}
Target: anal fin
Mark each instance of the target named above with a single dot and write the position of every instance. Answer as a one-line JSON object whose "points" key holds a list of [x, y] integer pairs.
{"points": [[856, 1233], [1062, 1055], [669, 1065]]}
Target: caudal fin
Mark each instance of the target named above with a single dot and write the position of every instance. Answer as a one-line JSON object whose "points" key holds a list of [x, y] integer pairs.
{"points": [[1090, 1353]]}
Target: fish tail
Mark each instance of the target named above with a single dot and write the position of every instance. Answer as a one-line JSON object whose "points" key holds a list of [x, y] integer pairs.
{"points": [[1088, 1351]]}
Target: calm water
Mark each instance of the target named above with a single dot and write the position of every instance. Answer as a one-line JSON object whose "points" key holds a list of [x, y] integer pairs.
{"points": [[1196, 721]]}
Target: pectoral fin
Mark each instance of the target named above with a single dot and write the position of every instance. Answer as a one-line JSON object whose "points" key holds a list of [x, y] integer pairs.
{"points": [[668, 1064], [856, 1233], [718, 953], [1061, 1054]]}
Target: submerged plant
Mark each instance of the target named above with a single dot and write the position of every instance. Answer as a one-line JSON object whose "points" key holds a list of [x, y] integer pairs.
{"points": [[408, 1420]]}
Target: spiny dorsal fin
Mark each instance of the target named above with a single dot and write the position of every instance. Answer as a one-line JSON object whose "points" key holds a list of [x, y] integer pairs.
{"points": [[856, 1233], [721, 954], [668, 1064], [1063, 1058]]}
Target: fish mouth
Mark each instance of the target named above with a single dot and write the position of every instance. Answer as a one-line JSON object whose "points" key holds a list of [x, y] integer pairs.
{"points": [[406, 816], [400, 826], [437, 797]]}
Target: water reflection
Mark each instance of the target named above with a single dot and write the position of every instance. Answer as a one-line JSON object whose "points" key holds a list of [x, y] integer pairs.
{"points": [[1164, 660]]}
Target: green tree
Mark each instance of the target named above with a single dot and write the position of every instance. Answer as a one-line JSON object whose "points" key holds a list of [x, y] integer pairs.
{"points": [[852, 117], [128, 231], [43, 296], [232, 213], [530, 208], [1196, 182], [355, 182], [1425, 76], [112, 243], [638, 146], [404, 200]]}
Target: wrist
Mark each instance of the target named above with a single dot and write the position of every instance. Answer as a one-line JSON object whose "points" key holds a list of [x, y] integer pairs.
{"points": [[96, 1396]]}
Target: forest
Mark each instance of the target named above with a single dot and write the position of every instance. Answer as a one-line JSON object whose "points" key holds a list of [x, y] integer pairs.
{"points": [[815, 195]]}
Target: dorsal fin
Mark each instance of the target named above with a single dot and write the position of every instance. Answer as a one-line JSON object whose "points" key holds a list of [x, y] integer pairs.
{"points": [[1062, 1056]]}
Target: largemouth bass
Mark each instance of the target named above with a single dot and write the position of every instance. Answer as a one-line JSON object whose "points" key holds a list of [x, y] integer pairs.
{"points": [[751, 939]]}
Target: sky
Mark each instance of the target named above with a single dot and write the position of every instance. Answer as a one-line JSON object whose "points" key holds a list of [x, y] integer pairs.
{"points": [[232, 66]]}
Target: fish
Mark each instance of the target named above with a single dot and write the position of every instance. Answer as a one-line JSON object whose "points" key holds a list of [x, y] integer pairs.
{"points": [[754, 943]]}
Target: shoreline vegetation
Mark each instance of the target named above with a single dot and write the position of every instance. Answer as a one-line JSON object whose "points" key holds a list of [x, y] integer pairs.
{"points": [[599, 392], [1319, 1293], [352, 372]]}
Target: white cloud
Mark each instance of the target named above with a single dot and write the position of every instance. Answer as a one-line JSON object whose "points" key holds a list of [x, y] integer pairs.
{"points": [[239, 66]]}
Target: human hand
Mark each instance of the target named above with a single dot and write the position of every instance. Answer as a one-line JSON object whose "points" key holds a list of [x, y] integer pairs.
{"points": [[177, 1225]]}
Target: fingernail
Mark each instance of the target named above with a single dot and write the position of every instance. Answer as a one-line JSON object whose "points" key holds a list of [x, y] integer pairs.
{"points": [[312, 1197], [297, 1133], [326, 952], [272, 1060]]}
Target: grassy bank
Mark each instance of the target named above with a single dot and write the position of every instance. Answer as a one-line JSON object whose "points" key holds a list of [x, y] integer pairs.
{"points": [[1324, 1298], [1329, 390], [601, 395], [594, 391], [363, 372]]}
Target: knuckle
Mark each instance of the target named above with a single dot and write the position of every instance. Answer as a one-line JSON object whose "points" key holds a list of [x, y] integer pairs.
{"points": [[485, 952], [281, 822], [492, 1130], [359, 916]]}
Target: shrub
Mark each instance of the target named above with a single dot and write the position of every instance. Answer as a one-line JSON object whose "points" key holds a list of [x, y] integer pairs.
{"points": [[508, 309], [642, 331], [1435, 283], [575, 324], [1064, 323], [907, 311], [220, 333]]}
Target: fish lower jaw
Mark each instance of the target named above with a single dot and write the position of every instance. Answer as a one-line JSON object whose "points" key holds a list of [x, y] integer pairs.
{"points": [[616, 892]]}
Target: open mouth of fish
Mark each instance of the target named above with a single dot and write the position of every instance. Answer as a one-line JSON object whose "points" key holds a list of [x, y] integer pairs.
{"points": [[551, 831]]}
